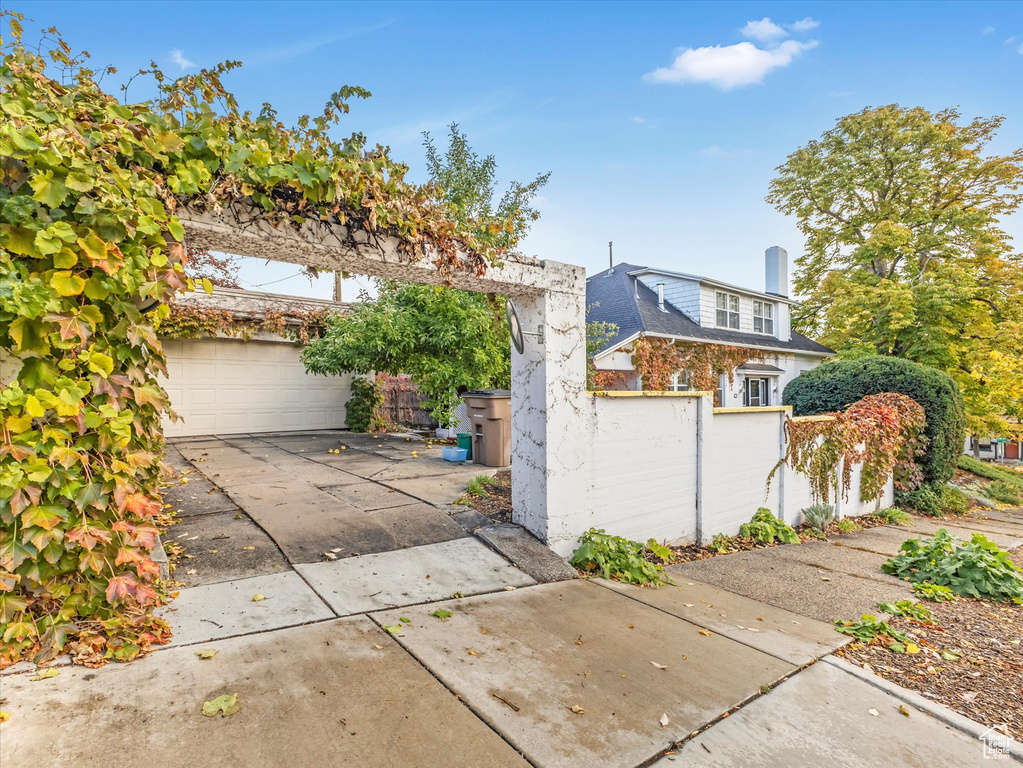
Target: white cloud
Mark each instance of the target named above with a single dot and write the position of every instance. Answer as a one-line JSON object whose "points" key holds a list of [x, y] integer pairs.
{"points": [[728, 66], [637, 120], [764, 30], [179, 58], [987, 30], [805, 25], [1020, 49]]}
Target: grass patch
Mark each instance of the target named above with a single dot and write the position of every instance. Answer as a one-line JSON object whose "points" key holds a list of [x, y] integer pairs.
{"points": [[991, 471], [892, 516]]}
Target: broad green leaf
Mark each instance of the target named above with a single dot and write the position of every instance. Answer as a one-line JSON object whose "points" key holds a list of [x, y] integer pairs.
{"points": [[101, 364], [46, 674], [442, 614], [66, 283], [49, 189]]}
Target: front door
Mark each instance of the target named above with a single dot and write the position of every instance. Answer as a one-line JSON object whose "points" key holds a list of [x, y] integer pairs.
{"points": [[757, 392]]}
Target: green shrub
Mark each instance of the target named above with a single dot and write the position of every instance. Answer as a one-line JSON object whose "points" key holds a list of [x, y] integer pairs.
{"points": [[934, 593], [616, 558], [818, 516], [848, 525], [924, 500], [954, 501], [977, 568], [892, 516], [478, 485], [936, 502], [1004, 493], [990, 471], [765, 527], [721, 543], [361, 408], [836, 385]]}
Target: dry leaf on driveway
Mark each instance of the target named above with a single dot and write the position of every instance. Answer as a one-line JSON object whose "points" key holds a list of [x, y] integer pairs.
{"points": [[46, 674], [226, 704], [578, 710]]}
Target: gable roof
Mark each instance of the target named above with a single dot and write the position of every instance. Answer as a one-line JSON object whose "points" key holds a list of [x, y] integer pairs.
{"points": [[615, 296]]}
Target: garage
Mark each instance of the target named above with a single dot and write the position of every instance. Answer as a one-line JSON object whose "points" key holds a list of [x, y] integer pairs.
{"points": [[228, 386]]}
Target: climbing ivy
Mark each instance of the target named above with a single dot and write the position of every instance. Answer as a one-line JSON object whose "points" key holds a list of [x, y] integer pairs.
{"points": [[657, 360], [883, 433], [89, 189], [190, 322]]}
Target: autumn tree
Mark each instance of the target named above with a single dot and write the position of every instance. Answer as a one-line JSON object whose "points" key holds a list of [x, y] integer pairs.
{"points": [[221, 269], [905, 254]]}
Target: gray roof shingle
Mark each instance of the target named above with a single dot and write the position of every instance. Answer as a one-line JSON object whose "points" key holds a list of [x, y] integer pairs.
{"points": [[614, 296]]}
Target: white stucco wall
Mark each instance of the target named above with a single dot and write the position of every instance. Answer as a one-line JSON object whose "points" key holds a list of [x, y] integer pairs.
{"points": [[641, 466], [744, 449], [668, 466]]}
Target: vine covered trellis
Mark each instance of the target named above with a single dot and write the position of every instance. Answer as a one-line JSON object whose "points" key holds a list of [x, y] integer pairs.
{"points": [[657, 360], [191, 322], [89, 189], [882, 433]]}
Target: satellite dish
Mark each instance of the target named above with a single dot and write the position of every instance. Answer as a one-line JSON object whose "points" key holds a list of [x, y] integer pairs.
{"points": [[514, 326]]}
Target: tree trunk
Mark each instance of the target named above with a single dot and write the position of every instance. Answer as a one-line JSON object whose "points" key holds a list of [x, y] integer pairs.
{"points": [[976, 447]]}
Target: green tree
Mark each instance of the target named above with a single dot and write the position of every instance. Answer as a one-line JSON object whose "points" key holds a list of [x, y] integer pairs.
{"points": [[447, 340], [468, 184], [905, 255]]}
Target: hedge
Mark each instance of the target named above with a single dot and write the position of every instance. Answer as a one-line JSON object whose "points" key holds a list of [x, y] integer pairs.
{"points": [[836, 385]]}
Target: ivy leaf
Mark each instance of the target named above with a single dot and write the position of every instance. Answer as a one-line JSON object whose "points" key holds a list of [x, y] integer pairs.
{"points": [[46, 516], [50, 190], [442, 614], [207, 653], [65, 259], [207, 285], [101, 364], [226, 705], [46, 674], [66, 283]]}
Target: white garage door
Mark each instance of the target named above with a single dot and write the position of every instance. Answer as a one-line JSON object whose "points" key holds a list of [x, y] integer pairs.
{"points": [[227, 386]]}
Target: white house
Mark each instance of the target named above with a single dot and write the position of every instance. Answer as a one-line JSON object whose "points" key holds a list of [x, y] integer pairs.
{"points": [[659, 303], [225, 385]]}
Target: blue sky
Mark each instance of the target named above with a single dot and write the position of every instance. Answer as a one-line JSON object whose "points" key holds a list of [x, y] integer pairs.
{"points": [[662, 123]]}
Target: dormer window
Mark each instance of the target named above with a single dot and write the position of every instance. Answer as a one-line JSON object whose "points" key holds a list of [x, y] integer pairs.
{"points": [[763, 317], [727, 315]]}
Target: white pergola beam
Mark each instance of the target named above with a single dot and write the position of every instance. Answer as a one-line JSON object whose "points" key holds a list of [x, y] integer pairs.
{"points": [[548, 378]]}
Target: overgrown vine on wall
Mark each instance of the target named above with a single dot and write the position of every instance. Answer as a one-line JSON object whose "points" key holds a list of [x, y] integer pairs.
{"points": [[190, 322], [657, 360], [89, 188], [883, 433]]}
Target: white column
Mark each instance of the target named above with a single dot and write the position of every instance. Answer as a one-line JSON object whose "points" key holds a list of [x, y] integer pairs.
{"points": [[704, 441], [549, 428]]}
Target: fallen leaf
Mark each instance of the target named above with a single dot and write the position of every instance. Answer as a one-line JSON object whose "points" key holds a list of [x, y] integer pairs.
{"points": [[441, 614], [207, 653], [912, 648], [392, 629], [471, 653], [509, 589], [578, 710], [903, 710], [874, 712], [249, 548], [330, 555], [705, 632], [4, 717], [212, 551], [403, 620], [258, 598], [226, 705], [46, 674], [659, 666], [664, 719], [689, 605]]}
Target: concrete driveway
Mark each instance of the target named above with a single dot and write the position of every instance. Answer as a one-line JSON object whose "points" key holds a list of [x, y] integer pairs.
{"points": [[310, 497]]}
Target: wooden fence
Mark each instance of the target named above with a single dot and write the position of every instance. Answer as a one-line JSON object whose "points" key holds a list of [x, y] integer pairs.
{"points": [[403, 404]]}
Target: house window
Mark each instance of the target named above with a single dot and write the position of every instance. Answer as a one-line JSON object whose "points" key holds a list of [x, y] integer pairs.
{"points": [[763, 317], [719, 396], [680, 382], [757, 392], [727, 310]]}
